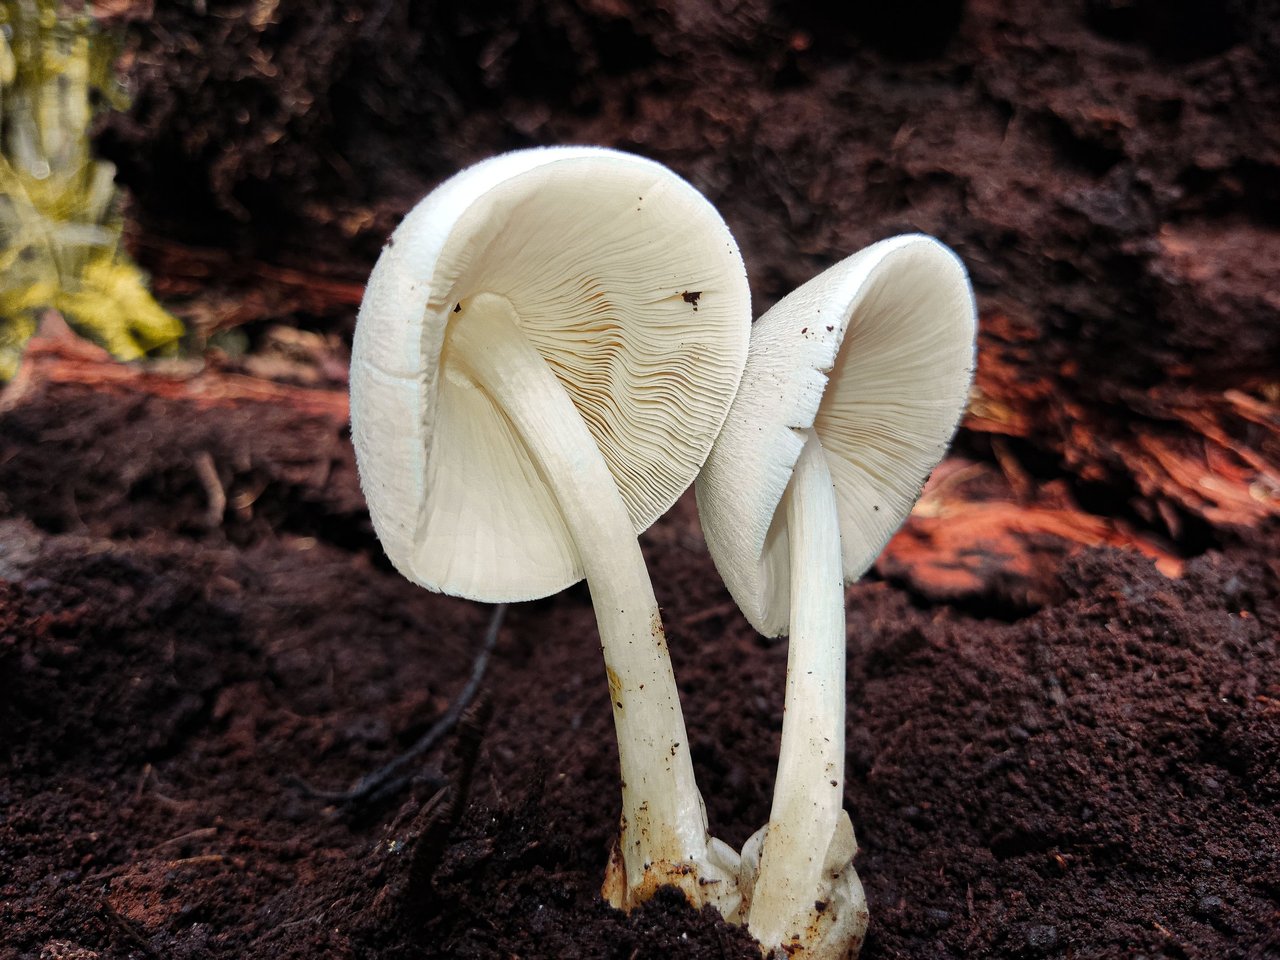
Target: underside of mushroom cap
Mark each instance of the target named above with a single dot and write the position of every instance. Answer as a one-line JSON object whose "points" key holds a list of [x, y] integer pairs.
{"points": [[630, 286], [875, 355]]}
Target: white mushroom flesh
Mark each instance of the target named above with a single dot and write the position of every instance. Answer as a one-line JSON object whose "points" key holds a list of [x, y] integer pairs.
{"points": [[854, 385], [636, 299], [664, 822], [806, 810], [546, 350]]}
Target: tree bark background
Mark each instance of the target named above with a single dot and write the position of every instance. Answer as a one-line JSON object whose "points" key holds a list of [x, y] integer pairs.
{"points": [[1108, 169]]}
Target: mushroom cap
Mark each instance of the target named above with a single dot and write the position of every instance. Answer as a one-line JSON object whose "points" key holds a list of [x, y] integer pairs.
{"points": [[876, 356], [631, 287]]}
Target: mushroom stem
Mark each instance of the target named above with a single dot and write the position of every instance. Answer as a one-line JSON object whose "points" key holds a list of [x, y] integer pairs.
{"points": [[808, 796], [664, 829]]}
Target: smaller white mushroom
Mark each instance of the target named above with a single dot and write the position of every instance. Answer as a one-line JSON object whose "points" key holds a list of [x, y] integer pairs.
{"points": [[853, 388]]}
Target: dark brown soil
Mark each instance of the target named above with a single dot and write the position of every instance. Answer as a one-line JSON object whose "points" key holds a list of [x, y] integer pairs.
{"points": [[1064, 726], [1097, 777]]}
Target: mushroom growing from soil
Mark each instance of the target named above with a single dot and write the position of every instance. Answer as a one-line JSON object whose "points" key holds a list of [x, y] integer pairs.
{"points": [[853, 388], [547, 347]]}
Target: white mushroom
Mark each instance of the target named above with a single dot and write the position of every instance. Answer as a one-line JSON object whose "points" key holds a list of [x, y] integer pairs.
{"points": [[853, 388], [546, 350]]}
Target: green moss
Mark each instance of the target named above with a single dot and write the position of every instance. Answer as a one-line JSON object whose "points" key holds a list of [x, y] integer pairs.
{"points": [[60, 225]]}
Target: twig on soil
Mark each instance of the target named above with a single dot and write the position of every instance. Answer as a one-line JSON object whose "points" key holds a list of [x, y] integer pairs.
{"points": [[206, 858], [149, 776], [441, 814], [130, 932], [142, 782], [203, 833], [386, 780], [207, 471]]}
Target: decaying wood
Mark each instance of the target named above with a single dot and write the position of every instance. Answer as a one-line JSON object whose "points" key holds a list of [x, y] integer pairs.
{"points": [[215, 290], [1188, 448], [57, 357], [1173, 452], [971, 533]]}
